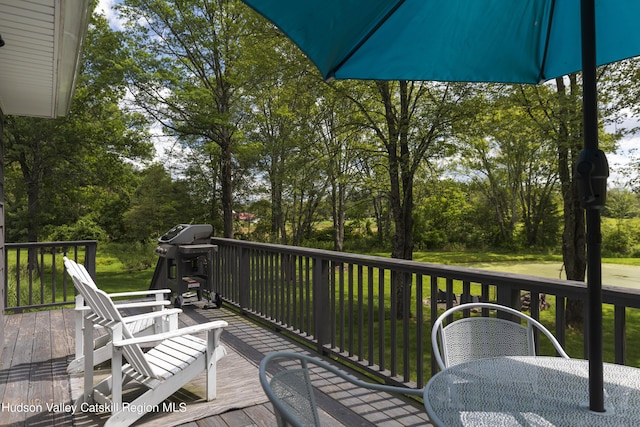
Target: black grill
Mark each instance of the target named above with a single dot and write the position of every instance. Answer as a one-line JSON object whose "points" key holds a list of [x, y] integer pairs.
{"points": [[185, 263]]}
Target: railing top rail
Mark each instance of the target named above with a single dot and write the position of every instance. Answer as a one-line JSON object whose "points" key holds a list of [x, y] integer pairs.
{"points": [[70, 243]]}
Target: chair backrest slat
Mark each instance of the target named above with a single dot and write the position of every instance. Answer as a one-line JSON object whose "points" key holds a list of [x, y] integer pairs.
{"points": [[106, 312], [81, 285], [478, 337], [133, 353], [293, 387]]}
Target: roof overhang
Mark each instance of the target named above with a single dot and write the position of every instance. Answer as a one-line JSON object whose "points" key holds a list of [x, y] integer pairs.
{"points": [[40, 60]]}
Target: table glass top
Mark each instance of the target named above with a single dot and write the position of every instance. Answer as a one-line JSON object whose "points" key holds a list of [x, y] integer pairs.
{"points": [[540, 391]]}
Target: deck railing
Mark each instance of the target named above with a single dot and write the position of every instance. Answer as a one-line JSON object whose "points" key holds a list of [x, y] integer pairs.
{"points": [[35, 273], [344, 305]]}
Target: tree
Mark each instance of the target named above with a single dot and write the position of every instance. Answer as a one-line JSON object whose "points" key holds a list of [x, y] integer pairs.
{"points": [[340, 138], [281, 121], [411, 122], [621, 204], [442, 215], [559, 116], [514, 164], [185, 76], [67, 165], [158, 204], [557, 110]]}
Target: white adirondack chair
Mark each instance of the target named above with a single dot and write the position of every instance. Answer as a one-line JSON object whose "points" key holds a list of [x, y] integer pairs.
{"points": [[173, 362], [102, 345]]}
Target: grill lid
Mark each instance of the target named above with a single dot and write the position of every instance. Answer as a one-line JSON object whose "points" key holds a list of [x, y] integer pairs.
{"points": [[185, 234]]}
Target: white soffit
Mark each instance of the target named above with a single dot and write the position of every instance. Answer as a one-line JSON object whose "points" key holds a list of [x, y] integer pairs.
{"points": [[40, 60]]}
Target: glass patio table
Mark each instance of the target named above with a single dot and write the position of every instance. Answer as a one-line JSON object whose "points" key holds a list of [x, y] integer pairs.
{"points": [[528, 391]]}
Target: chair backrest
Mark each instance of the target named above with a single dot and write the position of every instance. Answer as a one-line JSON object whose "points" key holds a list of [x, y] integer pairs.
{"points": [[75, 268], [79, 279], [291, 390], [479, 337], [111, 316], [105, 313], [291, 393], [82, 270]]}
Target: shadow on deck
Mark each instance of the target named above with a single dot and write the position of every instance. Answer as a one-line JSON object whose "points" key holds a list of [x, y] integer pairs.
{"points": [[35, 389]]}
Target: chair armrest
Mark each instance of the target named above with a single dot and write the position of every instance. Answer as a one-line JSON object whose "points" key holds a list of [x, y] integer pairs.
{"points": [[172, 334], [142, 304], [151, 315], [291, 356], [140, 293]]}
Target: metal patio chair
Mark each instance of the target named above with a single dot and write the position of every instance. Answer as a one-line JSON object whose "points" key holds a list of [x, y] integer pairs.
{"points": [[479, 337], [291, 390]]}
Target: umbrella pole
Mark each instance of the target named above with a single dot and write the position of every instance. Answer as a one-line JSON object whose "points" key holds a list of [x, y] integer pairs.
{"points": [[594, 281], [594, 256]]}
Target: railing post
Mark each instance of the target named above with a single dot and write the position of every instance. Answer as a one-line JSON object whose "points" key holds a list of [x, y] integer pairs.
{"points": [[321, 302], [244, 287], [620, 337], [90, 252], [509, 297]]}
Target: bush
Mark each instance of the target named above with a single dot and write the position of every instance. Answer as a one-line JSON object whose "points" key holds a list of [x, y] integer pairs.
{"points": [[133, 256], [84, 229], [617, 242]]}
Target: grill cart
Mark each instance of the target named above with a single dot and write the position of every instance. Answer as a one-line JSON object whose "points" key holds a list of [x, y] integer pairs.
{"points": [[185, 263]]}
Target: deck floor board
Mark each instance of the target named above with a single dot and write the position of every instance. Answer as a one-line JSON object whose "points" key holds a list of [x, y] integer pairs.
{"points": [[39, 345]]}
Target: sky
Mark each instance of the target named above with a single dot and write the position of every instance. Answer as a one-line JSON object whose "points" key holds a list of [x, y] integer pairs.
{"points": [[164, 145], [106, 7], [628, 148]]}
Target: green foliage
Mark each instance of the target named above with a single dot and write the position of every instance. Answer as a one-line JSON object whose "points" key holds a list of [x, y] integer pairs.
{"points": [[127, 257], [440, 217], [621, 204], [85, 228], [157, 205], [256, 122], [620, 237], [617, 242], [37, 295], [60, 171]]}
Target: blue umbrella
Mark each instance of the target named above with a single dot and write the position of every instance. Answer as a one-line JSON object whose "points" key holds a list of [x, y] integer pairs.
{"points": [[508, 41]]}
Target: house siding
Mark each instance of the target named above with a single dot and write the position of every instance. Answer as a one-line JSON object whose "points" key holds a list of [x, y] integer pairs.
{"points": [[3, 271]]}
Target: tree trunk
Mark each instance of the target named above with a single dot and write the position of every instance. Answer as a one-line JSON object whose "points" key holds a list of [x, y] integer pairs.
{"points": [[227, 188], [277, 216], [574, 252], [338, 196], [33, 197], [380, 218], [401, 180], [33, 204]]}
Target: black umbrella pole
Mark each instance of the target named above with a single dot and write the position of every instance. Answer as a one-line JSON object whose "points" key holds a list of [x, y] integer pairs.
{"points": [[594, 237], [594, 279]]}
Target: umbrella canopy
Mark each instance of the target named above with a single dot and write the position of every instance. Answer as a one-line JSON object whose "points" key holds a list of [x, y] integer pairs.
{"points": [[507, 41]]}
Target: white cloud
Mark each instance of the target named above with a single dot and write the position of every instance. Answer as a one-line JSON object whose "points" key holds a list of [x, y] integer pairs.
{"points": [[627, 153], [106, 8]]}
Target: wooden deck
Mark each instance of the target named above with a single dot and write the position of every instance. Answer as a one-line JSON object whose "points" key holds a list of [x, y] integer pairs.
{"points": [[35, 388]]}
